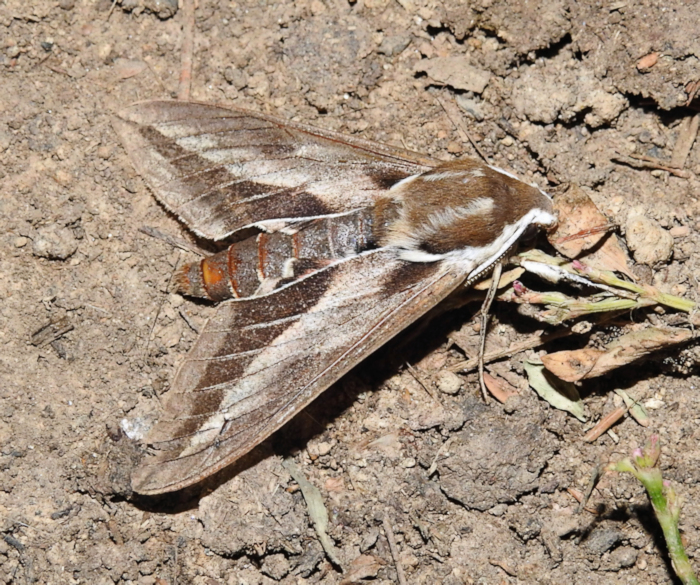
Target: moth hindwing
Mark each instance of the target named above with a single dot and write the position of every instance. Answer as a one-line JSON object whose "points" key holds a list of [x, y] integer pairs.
{"points": [[355, 241]]}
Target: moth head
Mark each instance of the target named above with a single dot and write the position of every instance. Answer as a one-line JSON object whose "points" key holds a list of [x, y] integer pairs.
{"points": [[461, 211]]}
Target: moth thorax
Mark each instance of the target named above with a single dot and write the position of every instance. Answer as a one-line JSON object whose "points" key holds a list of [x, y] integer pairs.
{"points": [[459, 206]]}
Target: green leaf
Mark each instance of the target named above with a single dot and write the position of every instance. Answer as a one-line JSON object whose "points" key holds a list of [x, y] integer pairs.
{"points": [[560, 394]]}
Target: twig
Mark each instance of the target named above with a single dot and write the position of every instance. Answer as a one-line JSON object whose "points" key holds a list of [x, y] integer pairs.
{"points": [[187, 320], [686, 138], [111, 9], [417, 378], [604, 424], [648, 162], [461, 128], [60, 70], [394, 550], [531, 343], [185, 84], [160, 306]]}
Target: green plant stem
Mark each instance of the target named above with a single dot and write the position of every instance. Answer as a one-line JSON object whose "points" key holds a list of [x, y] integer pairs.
{"points": [[648, 294], [668, 519], [666, 504]]}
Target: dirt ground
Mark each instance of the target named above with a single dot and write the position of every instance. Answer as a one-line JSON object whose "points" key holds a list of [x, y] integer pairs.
{"points": [[558, 91]]}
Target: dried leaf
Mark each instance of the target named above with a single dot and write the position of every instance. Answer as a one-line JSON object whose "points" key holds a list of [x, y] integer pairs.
{"points": [[363, 567], [637, 410], [56, 328], [581, 364], [559, 394], [578, 231], [499, 388]]}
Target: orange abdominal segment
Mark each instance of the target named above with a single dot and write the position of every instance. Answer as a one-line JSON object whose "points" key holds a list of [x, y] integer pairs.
{"points": [[215, 277]]}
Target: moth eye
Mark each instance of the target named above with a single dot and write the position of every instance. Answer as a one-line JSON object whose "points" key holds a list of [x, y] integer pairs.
{"points": [[530, 234]]}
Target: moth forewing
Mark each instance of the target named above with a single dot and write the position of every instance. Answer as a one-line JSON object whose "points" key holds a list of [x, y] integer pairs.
{"points": [[222, 169], [359, 241]]}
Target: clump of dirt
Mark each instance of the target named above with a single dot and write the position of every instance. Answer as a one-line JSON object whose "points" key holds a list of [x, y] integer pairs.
{"points": [[560, 92]]}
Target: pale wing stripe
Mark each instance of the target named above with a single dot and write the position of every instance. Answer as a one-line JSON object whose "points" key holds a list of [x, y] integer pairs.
{"points": [[228, 357], [268, 323], [227, 149], [251, 372], [196, 134], [252, 393], [263, 368], [242, 177]]}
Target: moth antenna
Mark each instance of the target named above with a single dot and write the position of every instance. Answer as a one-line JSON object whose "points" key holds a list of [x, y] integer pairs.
{"points": [[160, 306]]}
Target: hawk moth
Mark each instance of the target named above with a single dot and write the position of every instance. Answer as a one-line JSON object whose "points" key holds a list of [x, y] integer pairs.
{"points": [[355, 241]]}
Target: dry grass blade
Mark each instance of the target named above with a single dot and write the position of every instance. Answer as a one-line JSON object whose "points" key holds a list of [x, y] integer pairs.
{"points": [[317, 510]]}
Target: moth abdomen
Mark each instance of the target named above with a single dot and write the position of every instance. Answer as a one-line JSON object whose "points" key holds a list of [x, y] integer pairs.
{"points": [[262, 263]]}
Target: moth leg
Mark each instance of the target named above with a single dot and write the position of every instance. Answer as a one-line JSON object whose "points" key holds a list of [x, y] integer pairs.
{"points": [[485, 315]]}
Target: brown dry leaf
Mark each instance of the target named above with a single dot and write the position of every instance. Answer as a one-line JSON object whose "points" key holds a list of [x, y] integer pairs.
{"points": [[581, 364], [579, 215], [363, 567], [499, 388]]}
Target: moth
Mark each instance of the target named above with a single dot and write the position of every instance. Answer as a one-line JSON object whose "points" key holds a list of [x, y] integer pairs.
{"points": [[353, 242]]}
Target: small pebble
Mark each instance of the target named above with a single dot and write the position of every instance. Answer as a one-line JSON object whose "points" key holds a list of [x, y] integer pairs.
{"points": [[20, 242], [498, 510], [679, 231], [449, 382], [649, 242], [54, 242], [63, 178]]}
